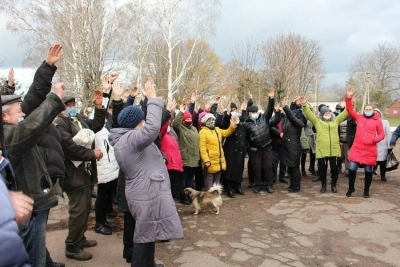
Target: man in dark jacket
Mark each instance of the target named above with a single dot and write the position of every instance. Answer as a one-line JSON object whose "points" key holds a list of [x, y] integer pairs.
{"points": [[77, 180], [21, 137], [260, 152]]}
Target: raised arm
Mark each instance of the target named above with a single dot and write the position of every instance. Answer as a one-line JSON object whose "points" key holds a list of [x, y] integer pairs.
{"points": [[349, 103], [296, 122], [41, 84], [271, 104]]}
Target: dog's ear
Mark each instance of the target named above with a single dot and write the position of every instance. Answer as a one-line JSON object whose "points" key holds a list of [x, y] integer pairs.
{"points": [[202, 194]]}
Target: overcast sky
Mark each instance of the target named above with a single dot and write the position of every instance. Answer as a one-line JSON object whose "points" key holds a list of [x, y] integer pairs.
{"points": [[343, 28]]}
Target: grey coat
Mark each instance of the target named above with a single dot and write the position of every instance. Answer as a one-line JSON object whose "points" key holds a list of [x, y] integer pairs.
{"points": [[383, 145], [147, 186]]}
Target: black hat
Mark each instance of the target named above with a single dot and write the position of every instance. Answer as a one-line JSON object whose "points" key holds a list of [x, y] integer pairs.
{"points": [[10, 99], [252, 108], [68, 99], [233, 105], [338, 106]]}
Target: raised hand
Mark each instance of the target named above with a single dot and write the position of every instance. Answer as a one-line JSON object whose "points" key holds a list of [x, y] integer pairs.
{"points": [[218, 99], [271, 92], [150, 88], [303, 100], [113, 77], [171, 105], [105, 82], [350, 92], [277, 106], [134, 92], [59, 89], [250, 95], [54, 54], [10, 81], [234, 120], [354, 99], [207, 106], [342, 104], [193, 98], [98, 99], [117, 89], [244, 105], [284, 102], [182, 108]]}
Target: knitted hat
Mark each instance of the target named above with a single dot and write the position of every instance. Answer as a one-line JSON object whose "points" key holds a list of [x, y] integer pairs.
{"points": [[252, 108], [324, 110], [206, 117], [338, 106], [130, 117], [10, 99], [186, 115], [320, 106], [233, 105]]}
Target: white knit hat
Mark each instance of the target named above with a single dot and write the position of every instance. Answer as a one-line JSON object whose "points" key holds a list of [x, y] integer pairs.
{"points": [[206, 117]]}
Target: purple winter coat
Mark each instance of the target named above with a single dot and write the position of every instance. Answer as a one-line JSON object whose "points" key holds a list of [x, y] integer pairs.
{"points": [[147, 186]]}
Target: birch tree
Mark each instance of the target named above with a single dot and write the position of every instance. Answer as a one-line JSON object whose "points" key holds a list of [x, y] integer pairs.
{"points": [[85, 28], [178, 20]]}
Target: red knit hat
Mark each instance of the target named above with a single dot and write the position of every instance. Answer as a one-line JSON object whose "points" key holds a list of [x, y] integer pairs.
{"points": [[186, 115]]}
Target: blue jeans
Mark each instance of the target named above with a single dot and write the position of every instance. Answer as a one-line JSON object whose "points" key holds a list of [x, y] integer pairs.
{"points": [[34, 238], [276, 160], [354, 166]]}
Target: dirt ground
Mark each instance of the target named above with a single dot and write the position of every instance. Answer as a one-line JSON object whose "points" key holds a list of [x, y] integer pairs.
{"points": [[280, 229]]}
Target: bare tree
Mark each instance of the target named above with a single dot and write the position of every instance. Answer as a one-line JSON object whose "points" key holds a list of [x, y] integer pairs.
{"points": [[378, 72], [245, 54], [85, 28], [178, 20], [292, 63]]}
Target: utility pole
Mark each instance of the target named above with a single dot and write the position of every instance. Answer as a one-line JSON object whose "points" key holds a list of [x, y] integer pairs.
{"points": [[366, 92], [368, 100]]}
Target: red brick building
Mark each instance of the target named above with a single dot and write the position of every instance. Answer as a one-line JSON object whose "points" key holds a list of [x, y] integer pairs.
{"points": [[394, 109]]}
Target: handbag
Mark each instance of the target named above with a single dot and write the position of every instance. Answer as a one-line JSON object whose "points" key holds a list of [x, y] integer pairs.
{"points": [[391, 162]]}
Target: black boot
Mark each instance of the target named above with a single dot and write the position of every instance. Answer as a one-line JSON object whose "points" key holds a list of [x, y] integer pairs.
{"points": [[100, 228], [323, 188], [333, 188], [229, 192], [367, 184], [184, 198], [238, 189], [317, 177], [352, 180]]}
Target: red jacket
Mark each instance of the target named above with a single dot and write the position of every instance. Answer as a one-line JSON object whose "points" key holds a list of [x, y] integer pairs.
{"points": [[369, 133], [170, 147]]}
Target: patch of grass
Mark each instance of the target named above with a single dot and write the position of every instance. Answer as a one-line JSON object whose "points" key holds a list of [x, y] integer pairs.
{"points": [[394, 122]]}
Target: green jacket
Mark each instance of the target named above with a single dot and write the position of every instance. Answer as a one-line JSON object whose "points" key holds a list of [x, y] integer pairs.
{"points": [[327, 141], [188, 139]]}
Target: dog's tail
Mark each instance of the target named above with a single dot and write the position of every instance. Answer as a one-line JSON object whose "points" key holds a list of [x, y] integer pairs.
{"points": [[216, 188]]}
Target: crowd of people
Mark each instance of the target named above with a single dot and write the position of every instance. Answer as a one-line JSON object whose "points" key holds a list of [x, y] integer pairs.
{"points": [[142, 157]]}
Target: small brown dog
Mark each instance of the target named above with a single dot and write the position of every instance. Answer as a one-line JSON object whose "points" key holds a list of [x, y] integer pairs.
{"points": [[200, 198]]}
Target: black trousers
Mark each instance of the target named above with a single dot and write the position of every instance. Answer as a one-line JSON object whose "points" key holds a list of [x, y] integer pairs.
{"points": [[382, 168], [143, 254], [103, 200], [175, 179], [323, 167], [295, 177], [261, 164], [198, 178], [129, 230]]}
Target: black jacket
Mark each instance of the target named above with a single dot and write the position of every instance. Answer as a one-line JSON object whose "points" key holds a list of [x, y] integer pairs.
{"points": [[77, 177], [258, 130], [292, 126], [50, 144], [21, 141]]}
